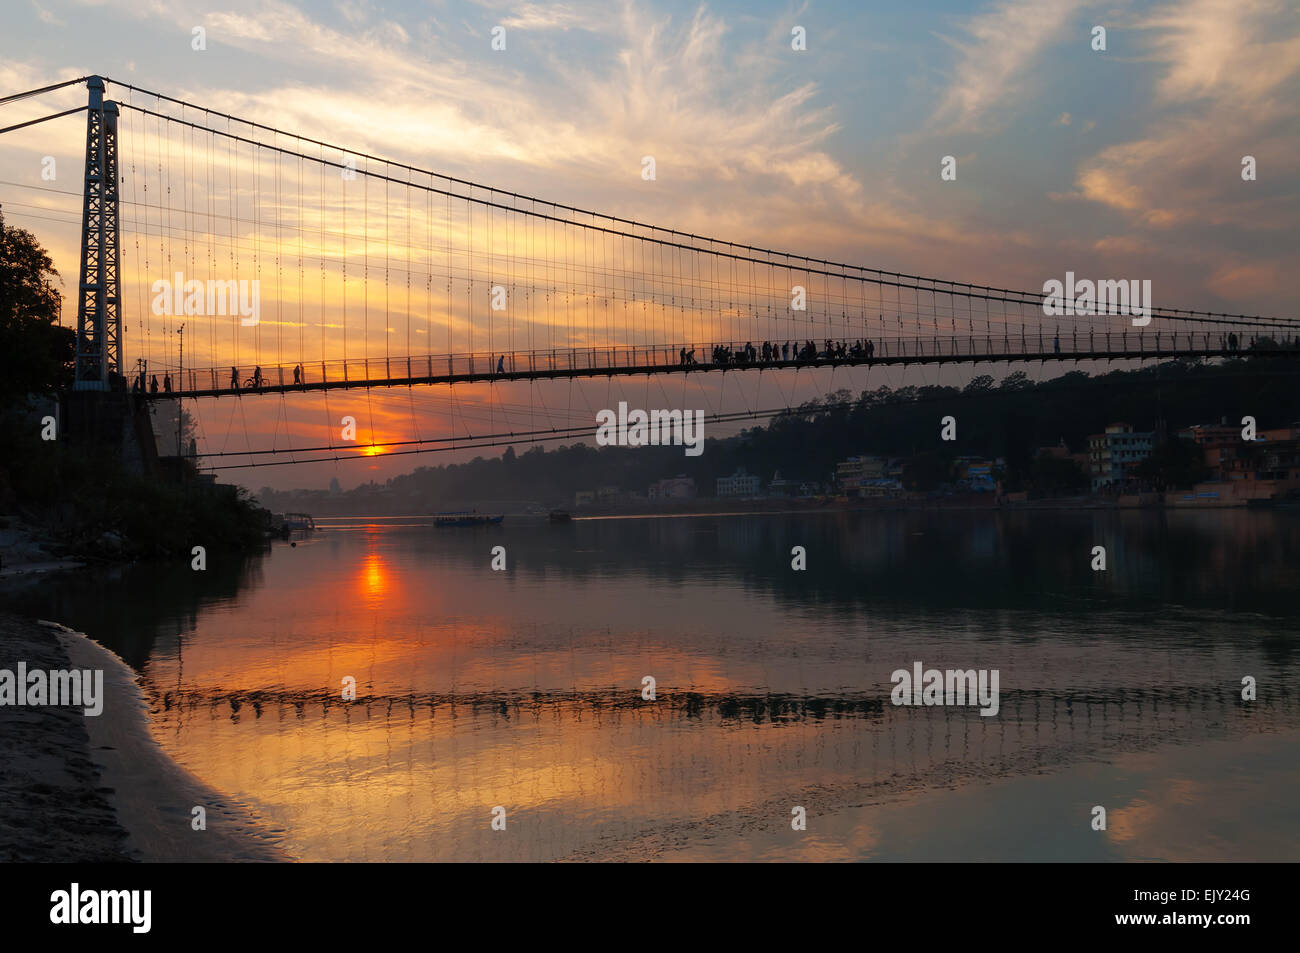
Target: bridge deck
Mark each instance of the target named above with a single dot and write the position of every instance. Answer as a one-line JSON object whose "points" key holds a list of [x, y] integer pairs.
{"points": [[666, 359]]}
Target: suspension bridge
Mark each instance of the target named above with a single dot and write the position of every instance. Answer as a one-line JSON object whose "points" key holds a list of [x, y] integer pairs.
{"points": [[259, 261]]}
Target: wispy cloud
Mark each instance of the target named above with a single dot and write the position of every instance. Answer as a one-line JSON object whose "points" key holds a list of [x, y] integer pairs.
{"points": [[46, 15], [1230, 85], [995, 55], [553, 16]]}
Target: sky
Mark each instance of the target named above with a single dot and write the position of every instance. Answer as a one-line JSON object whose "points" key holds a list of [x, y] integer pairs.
{"points": [[1123, 162]]}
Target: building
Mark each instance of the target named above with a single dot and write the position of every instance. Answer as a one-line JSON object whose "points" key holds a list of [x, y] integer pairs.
{"points": [[780, 486], [1059, 452], [855, 473], [1113, 455], [584, 498], [1267, 469], [1219, 443], [680, 487], [739, 483], [885, 487], [975, 474]]}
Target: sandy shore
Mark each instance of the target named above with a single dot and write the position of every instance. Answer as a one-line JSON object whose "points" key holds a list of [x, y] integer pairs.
{"points": [[80, 788]]}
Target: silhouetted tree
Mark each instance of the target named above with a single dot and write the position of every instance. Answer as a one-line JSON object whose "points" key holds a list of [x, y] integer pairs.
{"points": [[1057, 474], [1174, 464], [36, 355]]}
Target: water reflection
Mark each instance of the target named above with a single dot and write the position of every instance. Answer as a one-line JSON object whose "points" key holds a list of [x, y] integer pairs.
{"points": [[522, 688], [373, 577]]}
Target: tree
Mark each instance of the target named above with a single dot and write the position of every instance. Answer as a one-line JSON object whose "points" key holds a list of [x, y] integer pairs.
{"points": [[1057, 474], [1018, 380], [164, 427], [36, 355], [926, 471], [1176, 463]]}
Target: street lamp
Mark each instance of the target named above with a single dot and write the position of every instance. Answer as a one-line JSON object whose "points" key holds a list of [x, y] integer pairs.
{"points": [[180, 377]]}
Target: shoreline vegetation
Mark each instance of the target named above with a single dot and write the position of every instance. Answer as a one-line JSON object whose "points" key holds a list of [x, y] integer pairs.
{"points": [[67, 492], [56, 505], [101, 789]]}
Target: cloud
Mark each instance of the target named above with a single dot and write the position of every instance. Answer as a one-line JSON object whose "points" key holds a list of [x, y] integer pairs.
{"points": [[658, 85], [1229, 87], [558, 16], [47, 16], [1002, 45]]}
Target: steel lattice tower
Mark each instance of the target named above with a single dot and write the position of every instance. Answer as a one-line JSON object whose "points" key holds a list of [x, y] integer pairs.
{"points": [[99, 304]]}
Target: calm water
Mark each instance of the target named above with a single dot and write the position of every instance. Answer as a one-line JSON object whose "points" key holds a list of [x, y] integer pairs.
{"points": [[523, 688]]}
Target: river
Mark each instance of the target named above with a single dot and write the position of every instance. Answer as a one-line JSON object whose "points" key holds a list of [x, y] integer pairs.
{"points": [[522, 689]]}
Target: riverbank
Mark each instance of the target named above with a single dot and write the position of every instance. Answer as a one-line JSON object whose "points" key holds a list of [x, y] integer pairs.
{"points": [[25, 550], [100, 788], [81, 503], [981, 502]]}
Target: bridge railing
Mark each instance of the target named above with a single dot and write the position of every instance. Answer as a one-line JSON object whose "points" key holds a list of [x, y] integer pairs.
{"points": [[487, 365]]}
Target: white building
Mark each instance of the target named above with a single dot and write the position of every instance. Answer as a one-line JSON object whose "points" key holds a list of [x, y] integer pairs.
{"points": [[739, 483]]}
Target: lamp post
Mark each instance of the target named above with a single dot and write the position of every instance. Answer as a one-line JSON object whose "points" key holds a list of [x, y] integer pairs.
{"points": [[180, 377]]}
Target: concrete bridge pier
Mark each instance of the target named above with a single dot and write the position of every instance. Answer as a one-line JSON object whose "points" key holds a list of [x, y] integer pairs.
{"points": [[112, 422]]}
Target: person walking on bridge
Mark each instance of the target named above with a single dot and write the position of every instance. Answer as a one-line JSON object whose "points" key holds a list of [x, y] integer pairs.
{"points": [[234, 378]]}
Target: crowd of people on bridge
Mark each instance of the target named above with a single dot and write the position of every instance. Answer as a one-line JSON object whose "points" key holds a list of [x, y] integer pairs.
{"points": [[724, 355]]}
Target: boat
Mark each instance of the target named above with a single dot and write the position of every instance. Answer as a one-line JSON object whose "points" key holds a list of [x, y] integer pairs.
{"points": [[559, 516], [299, 521], [467, 519]]}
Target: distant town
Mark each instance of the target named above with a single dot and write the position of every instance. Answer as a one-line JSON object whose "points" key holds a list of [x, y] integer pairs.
{"points": [[1117, 462], [808, 457]]}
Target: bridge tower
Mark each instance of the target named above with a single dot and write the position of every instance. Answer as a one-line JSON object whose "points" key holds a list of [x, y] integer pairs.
{"points": [[100, 301]]}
